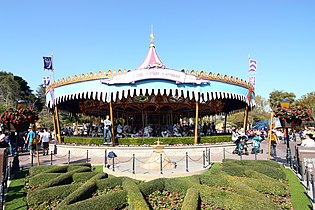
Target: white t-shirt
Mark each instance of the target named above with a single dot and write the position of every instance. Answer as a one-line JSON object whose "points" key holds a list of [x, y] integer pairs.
{"points": [[45, 137]]}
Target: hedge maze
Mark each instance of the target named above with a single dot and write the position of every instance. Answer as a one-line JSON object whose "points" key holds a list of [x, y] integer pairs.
{"points": [[234, 185]]}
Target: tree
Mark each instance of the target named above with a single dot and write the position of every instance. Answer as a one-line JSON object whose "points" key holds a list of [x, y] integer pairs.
{"points": [[308, 101], [259, 113], [276, 96], [9, 89], [25, 92]]}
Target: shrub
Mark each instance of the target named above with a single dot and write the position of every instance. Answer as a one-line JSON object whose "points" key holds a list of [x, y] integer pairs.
{"points": [[135, 198], [42, 178], [267, 187], [48, 169], [109, 183], [83, 192], [151, 140], [176, 185], [40, 195], [191, 200], [149, 187], [64, 178], [83, 176], [114, 200], [76, 166]]}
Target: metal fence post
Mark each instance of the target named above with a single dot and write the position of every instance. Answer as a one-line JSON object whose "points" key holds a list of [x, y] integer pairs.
{"points": [[209, 156], [51, 157], [203, 159], [313, 188], [255, 155], [32, 160], [114, 163], [10, 168], [161, 164], [307, 178], [68, 156], [105, 158], [241, 158], [224, 153], [186, 161], [133, 163], [301, 171], [87, 156]]}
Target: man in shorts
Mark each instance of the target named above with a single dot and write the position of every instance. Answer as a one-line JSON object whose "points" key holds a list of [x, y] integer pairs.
{"points": [[45, 139]]}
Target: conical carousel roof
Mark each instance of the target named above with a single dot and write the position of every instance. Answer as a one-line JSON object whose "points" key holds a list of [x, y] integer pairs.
{"points": [[152, 59]]}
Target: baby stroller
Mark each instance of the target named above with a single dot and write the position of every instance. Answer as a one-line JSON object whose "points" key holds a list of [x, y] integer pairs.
{"points": [[256, 145], [241, 145]]}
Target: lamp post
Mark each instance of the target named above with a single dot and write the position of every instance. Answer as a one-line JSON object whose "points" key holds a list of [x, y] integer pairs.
{"points": [[285, 104]]}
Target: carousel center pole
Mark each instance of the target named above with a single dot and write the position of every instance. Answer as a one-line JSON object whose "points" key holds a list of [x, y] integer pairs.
{"points": [[196, 123], [112, 120]]}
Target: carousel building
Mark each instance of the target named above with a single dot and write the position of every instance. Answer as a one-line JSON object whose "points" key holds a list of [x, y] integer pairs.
{"points": [[152, 94]]}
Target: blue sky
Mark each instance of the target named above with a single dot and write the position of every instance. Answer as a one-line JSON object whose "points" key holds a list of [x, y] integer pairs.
{"points": [[216, 36]]}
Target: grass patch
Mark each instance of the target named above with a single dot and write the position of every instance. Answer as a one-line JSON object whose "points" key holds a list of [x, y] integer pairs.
{"points": [[98, 168], [16, 197], [298, 197]]}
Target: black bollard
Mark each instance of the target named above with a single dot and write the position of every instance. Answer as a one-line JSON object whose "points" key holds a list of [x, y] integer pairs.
{"points": [[69, 157], [301, 171], [307, 178], [241, 157], [255, 155], [313, 187], [9, 170], [87, 156], [114, 163], [32, 160], [186, 161], [133, 163], [105, 158], [209, 156], [161, 164], [51, 157], [203, 159], [223, 153]]}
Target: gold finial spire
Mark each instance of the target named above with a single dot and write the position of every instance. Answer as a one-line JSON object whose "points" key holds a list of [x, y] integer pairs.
{"points": [[152, 37]]}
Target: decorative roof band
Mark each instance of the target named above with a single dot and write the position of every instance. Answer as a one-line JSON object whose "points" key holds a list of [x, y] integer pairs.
{"points": [[109, 74]]}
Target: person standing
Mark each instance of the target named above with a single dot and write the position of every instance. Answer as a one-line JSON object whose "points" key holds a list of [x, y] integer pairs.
{"points": [[45, 140], [31, 139], [274, 141], [308, 141], [107, 130]]}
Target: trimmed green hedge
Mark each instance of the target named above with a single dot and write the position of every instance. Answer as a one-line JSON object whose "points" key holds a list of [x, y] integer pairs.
{"points": [[191, 200], [109, 183], [48, 169], [40, 195], [176, 185], [114, 200], [135, 198], [83, 192], [64, 178], [42, 178], [149, 187], [151, 140]]}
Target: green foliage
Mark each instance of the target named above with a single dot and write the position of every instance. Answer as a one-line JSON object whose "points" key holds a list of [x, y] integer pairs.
{"points": [[308, 101], [176, 185], [83, 192], [15, 198], [115, 200], [238, 168], [151, 140], [109, 183], [276, 96], [135, 198], [64, 178], [42, 178], [191, 199], [48, 169], [83, 176], [149, 187], [299, 199], [38, 196]]}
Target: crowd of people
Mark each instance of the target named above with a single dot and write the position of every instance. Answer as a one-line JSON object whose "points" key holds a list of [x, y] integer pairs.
{"points": [[27, 141]]}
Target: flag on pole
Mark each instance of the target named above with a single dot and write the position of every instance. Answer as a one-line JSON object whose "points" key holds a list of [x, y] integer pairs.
{"points": [[252, 65], [48, 63], [46, 80], [252, 80]]}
